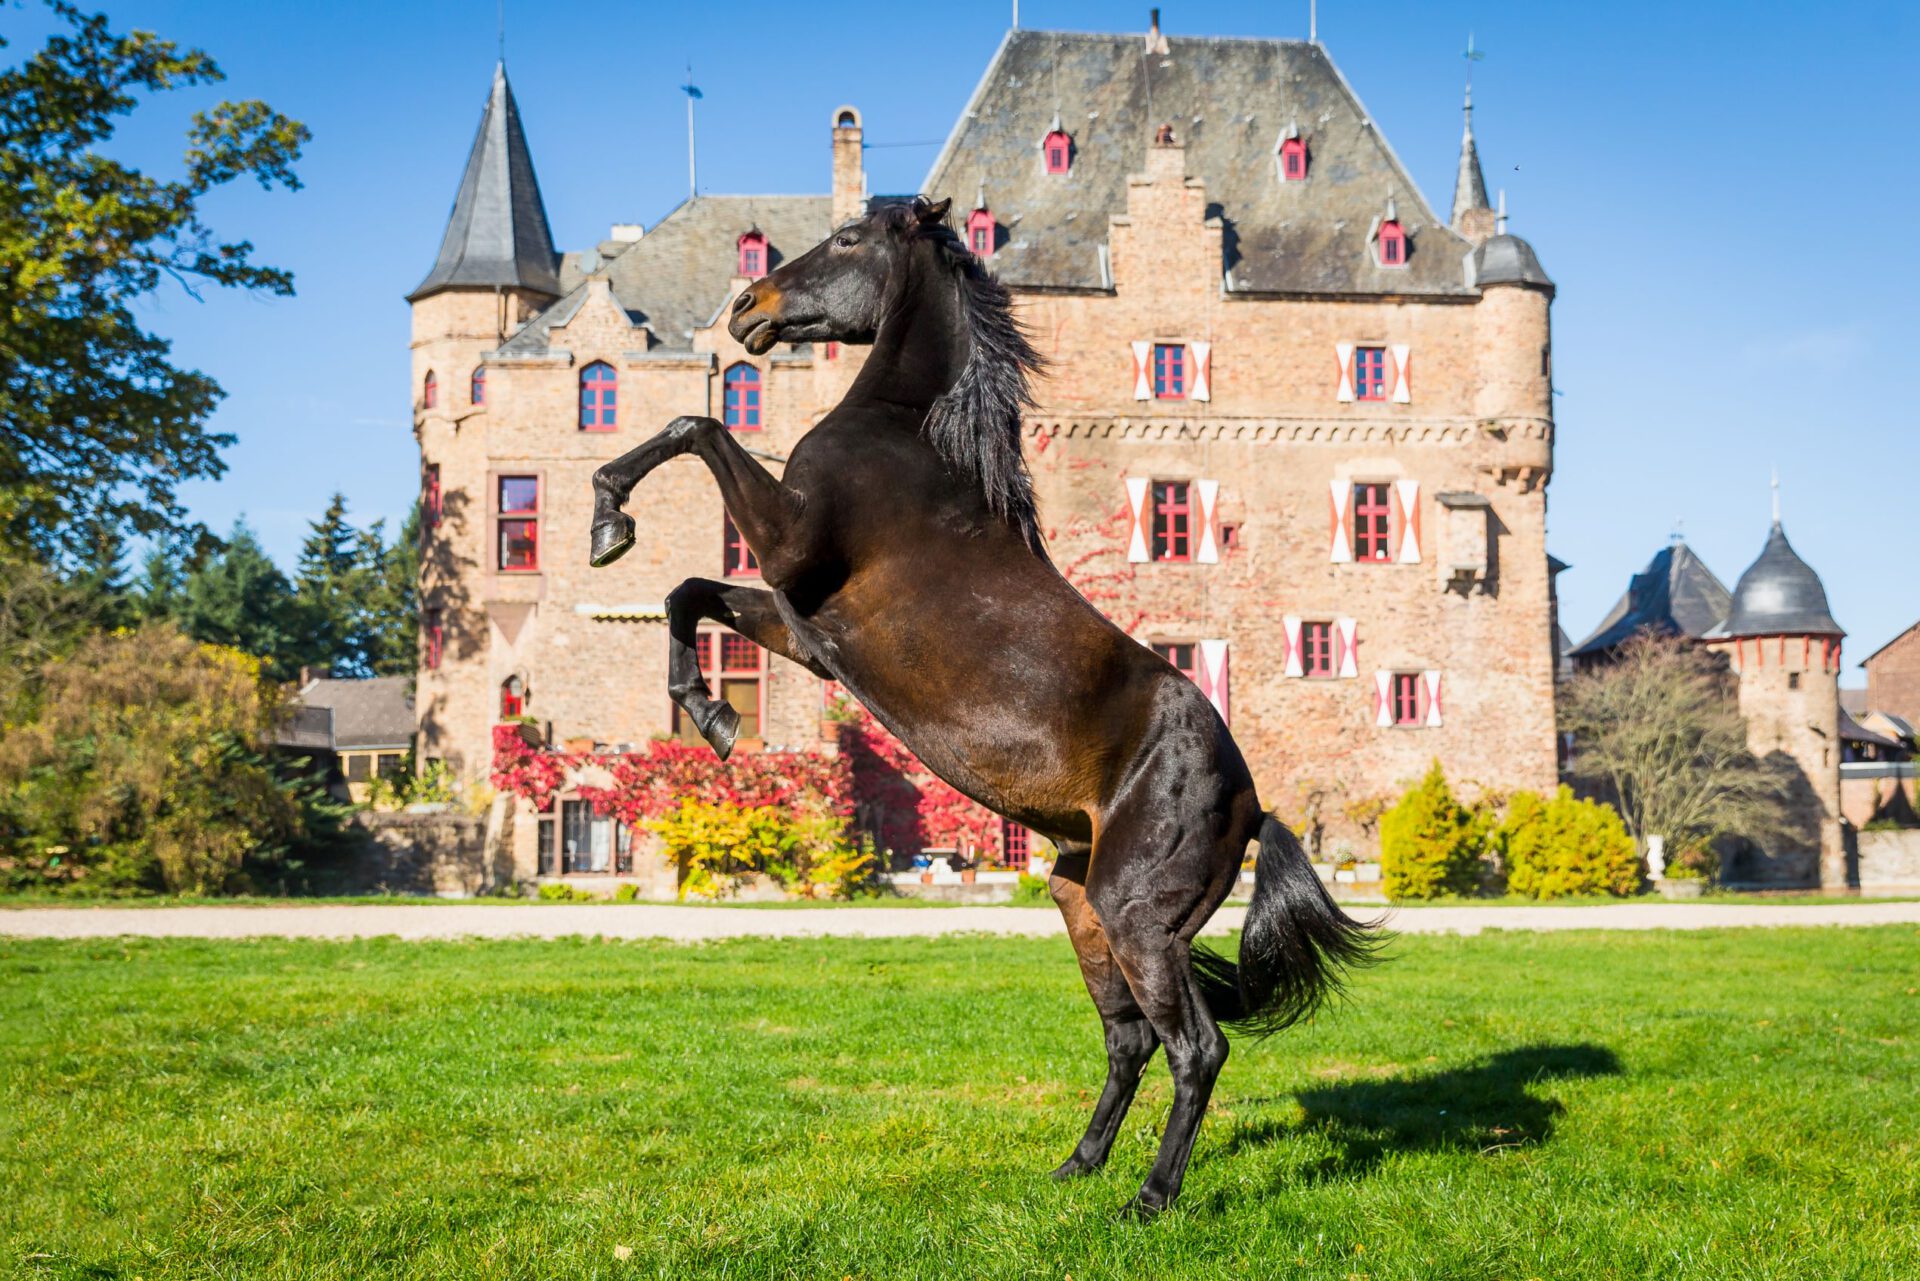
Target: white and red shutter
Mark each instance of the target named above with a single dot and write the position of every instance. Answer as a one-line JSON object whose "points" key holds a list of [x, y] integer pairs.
{"points": [[1213, 676], [1346, 632], [1383, 698], [1294, 665], [1407, 494], [1430, 685], [1402, 374], [1201, 353], [1143, 371], [1137, 487], [1339, 494], [1207, 547], [1343, 351]]}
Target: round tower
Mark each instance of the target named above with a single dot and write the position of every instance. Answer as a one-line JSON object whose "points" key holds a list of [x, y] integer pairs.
{"points": [[496, 270], [1514, 398], [1784, 647]]}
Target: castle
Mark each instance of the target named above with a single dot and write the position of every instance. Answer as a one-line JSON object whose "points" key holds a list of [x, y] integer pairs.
{"points": [[1296, 434]]}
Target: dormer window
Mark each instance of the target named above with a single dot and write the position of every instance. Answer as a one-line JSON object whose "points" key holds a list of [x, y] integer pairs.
{"points": [[1392, 244], [1057, 152], [981, 230], [1293, 160], [753, 255]]}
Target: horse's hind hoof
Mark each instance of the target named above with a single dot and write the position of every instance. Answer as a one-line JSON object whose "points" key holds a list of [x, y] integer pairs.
{"points": [[1140, 1210], [722, 729], [612, 536], [1072, 1168]]}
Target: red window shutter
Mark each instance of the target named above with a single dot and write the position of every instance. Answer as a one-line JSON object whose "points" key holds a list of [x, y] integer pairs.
{"points": [[1142, 371], [1430, 698], [1213, 667], [1383, 698], [1347, 640], [1343, 353], [1294, 666], [1208, 547], [1406, 497], [1137, 487], [1402, 374], [1202, 354], [1340, 545]]}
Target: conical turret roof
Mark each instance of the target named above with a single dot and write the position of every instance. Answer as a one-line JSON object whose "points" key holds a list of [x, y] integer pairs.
{"points": [[1780, 595], [497, 233], [1470, 185]]}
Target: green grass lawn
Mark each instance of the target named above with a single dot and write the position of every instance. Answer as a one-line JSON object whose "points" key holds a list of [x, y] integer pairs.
{"points": [[1724, 1104]]}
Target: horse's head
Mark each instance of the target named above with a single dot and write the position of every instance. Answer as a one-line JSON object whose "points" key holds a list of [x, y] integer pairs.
{"points": [[836, 291]]}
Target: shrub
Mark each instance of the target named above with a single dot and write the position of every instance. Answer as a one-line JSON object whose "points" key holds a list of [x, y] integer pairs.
{"points": [[717, 843], [628, 893], [1429, 843], [1031, 891], [141, 767], [1564, 846], [555, 892]]}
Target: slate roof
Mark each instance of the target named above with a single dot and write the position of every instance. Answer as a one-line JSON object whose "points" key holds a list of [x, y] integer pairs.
{"points": [[1508, 260], [675, 277], [497, 233], [1470, 184], [1675, 595], [1229, 101], [377, 712], [1780, 595]]}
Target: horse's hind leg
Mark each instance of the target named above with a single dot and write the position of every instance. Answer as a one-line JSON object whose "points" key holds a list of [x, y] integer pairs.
{"points": [[1163, 867], [1131, 1040]]}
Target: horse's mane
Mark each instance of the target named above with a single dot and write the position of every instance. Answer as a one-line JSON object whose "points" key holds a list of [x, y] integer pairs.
{"points": [[977, 425]]}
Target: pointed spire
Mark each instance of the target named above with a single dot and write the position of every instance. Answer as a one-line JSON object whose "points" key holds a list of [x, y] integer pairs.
{"points": [[1470, 186], [497, 234]]}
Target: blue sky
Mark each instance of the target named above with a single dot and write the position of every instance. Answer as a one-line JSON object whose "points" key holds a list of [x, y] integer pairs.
{"points": [[1719, 189]]}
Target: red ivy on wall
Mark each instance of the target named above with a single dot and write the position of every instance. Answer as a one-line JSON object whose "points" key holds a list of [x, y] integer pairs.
{"points": [[874, 780]]}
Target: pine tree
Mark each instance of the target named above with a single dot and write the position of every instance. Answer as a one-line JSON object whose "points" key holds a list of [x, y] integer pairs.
{"points": [[239, 597], [328, 582]]}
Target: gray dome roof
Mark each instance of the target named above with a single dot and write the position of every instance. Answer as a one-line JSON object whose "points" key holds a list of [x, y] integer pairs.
{"points": [[1508, 260], [1780, 595]]}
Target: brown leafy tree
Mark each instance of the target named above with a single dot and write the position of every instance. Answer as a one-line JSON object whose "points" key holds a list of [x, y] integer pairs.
{"points": [[141, 769], [1659, 733]]}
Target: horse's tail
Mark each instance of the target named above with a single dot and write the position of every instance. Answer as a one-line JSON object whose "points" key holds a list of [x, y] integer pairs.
{"points": [[1294, 949]]}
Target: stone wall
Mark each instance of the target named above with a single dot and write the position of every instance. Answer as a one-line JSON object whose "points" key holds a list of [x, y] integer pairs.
{"points": [[443, 854], [1893, 677], [1888, 860]]}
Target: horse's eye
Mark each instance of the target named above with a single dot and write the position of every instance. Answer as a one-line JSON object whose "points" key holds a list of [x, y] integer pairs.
{"points": [[846, 242]]}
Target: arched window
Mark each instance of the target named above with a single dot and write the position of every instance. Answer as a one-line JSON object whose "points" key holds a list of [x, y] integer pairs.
{"points": [[599, 390], [430, 392], [1293, 160], [1057, 151], [1393, 244], [740, 398], [980, 232], [513, 698], [753, 255], [478, 388]]}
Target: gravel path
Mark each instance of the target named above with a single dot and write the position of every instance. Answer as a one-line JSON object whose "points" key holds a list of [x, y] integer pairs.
{"points": [[691, 924]]}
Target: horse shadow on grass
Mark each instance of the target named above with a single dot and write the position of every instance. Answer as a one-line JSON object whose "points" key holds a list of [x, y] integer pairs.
{"points": [[1485, 1106]]}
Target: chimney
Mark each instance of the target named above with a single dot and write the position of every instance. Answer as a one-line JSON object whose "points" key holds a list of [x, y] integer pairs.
{"points": [[1156, 43], [849, 176]]}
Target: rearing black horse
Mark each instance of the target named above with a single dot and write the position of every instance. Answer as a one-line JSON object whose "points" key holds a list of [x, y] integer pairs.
{"points": [[902, 558]]}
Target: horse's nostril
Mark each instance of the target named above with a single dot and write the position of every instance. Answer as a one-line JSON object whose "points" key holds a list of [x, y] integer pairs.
{"points": [[744, 301]]}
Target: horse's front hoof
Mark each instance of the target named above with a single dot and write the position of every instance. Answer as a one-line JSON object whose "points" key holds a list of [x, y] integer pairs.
{"points": [[1072, 1168], [722, 729], [1141, 1210], [612, 536]]}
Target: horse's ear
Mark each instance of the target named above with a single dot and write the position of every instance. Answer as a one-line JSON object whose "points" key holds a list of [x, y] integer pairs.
{"points": [[931, 210]]}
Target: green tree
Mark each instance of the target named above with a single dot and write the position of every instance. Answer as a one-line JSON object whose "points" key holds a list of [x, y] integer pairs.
{"points": [[97, 426], [330, 582], [1430, 844], [238, 597], [393, 610]]}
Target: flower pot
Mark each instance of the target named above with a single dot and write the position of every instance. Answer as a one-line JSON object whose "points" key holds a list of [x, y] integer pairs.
{"points": [[1680, 889], [969, 875]]}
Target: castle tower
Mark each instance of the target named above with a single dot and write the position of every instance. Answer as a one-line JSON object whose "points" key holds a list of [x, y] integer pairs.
{"points": [[495, 270], [1785, 649], [1515, 385]]}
